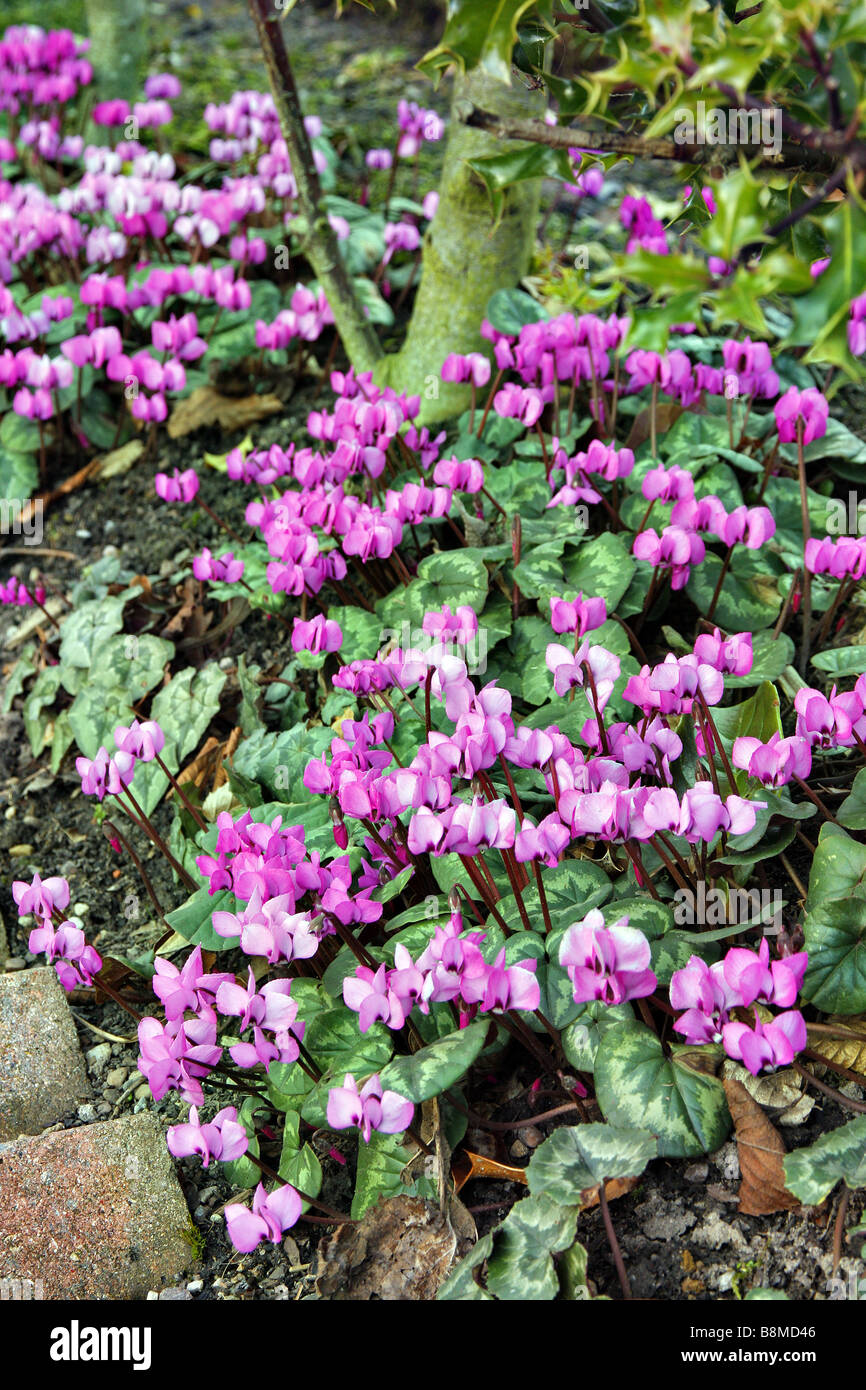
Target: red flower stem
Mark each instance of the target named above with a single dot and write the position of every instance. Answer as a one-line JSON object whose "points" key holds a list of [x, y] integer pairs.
{"points": [[212, 514], [806, 640], [144, 824], [196, 815]]}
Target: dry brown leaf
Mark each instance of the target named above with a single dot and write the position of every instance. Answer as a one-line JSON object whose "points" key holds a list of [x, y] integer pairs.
{"points": [[466, 1166], [761, 1154], [400, 1250], [207, 765], [118, 461], [845, 1052], [782, 1095], [666, 413], [613, 1188], [205, 406]]}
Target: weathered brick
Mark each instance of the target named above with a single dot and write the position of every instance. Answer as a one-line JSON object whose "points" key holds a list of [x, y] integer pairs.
{"points": [[95, 1212], [42, 1073]]}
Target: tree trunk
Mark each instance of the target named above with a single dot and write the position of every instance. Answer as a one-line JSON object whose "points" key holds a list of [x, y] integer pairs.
{"points": [[118, 46], [465, 257]]}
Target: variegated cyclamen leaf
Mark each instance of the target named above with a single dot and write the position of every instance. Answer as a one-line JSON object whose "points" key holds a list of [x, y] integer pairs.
{"points": [[434, 1068], [581, 1156], [813, 1172], [636, 1084], [521, 1266], [836, 946]]}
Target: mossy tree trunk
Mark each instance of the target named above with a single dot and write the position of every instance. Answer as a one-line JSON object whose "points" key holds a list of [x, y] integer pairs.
{"points": [[467, 255]]}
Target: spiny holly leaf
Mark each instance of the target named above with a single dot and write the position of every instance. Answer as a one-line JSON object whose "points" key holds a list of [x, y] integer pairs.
{"points": [[478, 33], [637, 1085], [582, 1156], [841, 1155]]}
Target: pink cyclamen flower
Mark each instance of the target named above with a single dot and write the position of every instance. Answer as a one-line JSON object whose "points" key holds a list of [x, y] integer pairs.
{"points": [[769, 1045], [104, 774], [320, 634], [775, 762], [372, 1108], [43, 897], [143, 739], [807, 408], [222, 1138], [223, 569], [180, 487], [607, 963], [269, 1218], [706, 996]]}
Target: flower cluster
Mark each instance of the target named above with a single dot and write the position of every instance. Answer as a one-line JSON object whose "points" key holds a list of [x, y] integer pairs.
{"points": [[709, 993], [61, 938]]}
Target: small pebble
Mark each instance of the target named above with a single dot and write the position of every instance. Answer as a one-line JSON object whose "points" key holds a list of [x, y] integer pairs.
{"points": [[97, 1057], [696, 1172], [20, 851], [16, 963], [518, 1149], [152, 1296], [195, 1285], [175, 1296], [226, 663], [11, 812], [531, 1136], [142, 1092], [116, 1076], [290, 1246], [83, 535], [80, 908], [86, 1114]]}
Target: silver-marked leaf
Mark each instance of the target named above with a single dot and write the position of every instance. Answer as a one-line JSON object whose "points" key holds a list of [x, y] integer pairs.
{"points": [[521, 1267], [434, 1068], [637, 1085], [580, 1039], [813, 1172], [380, 1171], [835, 932], [581, 1156]]}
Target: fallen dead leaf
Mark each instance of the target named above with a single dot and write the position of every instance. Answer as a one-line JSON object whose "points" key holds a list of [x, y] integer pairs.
{"points": [[465, 1166], [401, 1250], [782, 1094], [613, 1188], [666, 413], [205, 406], [849, 1052], [118, 461], [761, 1153]]}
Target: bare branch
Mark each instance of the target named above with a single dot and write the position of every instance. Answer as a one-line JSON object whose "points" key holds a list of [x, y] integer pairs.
{"points": [[321, 249], [793, 154]]}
